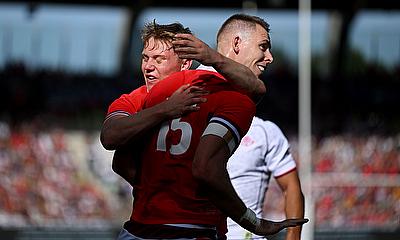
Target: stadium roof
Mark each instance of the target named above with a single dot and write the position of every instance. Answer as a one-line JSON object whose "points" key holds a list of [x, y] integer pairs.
{"points": [[262, 4], [347, 9]]}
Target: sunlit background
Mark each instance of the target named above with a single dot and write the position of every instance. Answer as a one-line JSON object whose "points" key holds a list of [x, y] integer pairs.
{"points": [[63, 62]]}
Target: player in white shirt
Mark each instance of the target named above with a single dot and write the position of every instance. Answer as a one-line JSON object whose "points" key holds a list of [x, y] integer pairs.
{"points": [[264, 152]]}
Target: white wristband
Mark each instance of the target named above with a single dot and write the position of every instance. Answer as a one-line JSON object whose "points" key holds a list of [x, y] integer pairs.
{"points": [[250, 216]]}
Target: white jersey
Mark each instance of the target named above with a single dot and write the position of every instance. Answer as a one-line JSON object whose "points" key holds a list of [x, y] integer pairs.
{"points": [[263, 151]]}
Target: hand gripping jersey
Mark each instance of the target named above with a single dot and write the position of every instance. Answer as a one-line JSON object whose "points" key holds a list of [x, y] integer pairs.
{"points": [[166, 192], [263, 152]]}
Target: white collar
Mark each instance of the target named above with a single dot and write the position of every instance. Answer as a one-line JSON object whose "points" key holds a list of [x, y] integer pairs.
{"points": [[208, 68]]}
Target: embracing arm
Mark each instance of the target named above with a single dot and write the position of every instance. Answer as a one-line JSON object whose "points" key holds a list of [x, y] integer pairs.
{"points": [[240, 75], [190, 47], [209, 168], [294, 201], [120, 129]]}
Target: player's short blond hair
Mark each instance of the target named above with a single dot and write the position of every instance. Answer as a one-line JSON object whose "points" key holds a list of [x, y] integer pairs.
{"points": [[162, 32]]}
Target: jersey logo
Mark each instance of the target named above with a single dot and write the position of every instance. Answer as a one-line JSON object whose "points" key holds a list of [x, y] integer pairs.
{"points": [[246, 141]]}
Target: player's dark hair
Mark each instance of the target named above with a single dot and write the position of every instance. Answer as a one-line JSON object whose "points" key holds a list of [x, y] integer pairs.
{"points": [[162, 32], [250, 20]]}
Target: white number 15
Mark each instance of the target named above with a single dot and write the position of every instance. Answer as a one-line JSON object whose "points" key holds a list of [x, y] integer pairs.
{"points": [[183, 144]]}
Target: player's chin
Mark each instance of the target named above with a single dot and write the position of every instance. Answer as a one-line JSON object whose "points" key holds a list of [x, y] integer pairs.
{"points": [[256, 71], [152, 82]]}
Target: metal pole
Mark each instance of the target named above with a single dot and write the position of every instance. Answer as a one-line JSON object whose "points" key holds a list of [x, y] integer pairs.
{"points": [[305, 114]]}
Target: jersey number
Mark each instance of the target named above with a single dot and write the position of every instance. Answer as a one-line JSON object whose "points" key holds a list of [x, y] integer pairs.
{"points": [[183, 144]]}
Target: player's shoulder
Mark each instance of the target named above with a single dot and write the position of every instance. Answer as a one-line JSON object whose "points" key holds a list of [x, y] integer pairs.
{"points": [[202, 73], [195, 74], [129, 102], [166, 87], [230, 96], [269, 127], [264, 123], [134, 95], [172, 81], [210, 77], [140, 91], [177, 79]]}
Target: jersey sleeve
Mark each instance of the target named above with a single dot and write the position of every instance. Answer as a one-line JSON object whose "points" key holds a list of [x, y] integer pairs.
{"points": [[280, 160], [232, 119], [127, 104]]}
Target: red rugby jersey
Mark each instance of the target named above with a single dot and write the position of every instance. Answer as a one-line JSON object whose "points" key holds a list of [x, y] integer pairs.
{"points": [[166, 191]]}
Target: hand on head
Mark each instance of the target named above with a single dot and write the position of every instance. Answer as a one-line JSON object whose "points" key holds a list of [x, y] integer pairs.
{"points": [[188, 46]]}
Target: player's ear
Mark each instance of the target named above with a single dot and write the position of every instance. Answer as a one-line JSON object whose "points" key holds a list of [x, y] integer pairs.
{"points": [[236, 44], [186, 64]]}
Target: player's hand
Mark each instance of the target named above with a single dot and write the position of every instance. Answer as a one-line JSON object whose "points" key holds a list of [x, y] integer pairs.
{"points": [[267, 227], [184, 100], [189, 47]]}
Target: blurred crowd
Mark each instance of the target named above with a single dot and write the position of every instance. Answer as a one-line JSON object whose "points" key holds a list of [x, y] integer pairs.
{"points": [[43, 182], [367, 155], [376, 159], [356, 183], [357, 207]]}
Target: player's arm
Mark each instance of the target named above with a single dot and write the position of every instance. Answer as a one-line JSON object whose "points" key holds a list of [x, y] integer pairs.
{"points": [[285, 173], [294, 201], [120, 129], [189, 47], [209, 168], [124, 163]]}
